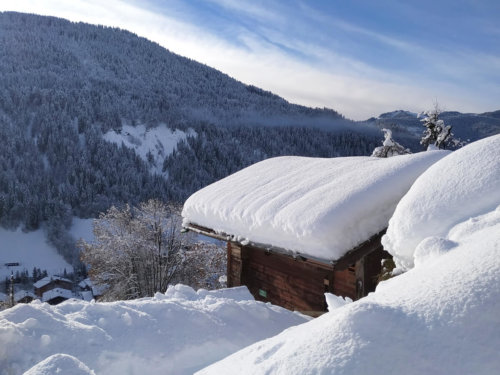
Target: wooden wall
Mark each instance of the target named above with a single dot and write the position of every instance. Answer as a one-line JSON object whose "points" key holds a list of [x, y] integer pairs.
{"points": [[299, 284]]}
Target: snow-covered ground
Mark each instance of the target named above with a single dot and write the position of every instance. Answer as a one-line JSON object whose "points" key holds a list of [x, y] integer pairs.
{"points": [[440, 317], [159, 141], [177, 332], [29, 250], [82, 229]]}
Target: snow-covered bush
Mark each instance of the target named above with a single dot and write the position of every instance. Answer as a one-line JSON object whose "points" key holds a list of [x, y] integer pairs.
{"points": [[389, 147]]}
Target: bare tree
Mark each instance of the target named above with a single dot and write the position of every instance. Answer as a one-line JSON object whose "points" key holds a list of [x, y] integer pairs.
{"points": [[137, 251]]}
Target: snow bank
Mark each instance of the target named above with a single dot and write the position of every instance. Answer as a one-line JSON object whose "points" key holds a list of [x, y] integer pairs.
{"points": [[159, 141], [464, 184], [443, 318], [318, 207], [173, 333], [29, 250]]}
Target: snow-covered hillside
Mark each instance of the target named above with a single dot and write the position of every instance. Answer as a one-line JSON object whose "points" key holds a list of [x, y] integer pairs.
{"points": [[151, 144], [441, 317], [29, 250], [173, 333]]}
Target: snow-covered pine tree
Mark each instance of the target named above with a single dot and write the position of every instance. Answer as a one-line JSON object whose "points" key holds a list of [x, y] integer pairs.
{"points": [[436, 133], [389, 147]]}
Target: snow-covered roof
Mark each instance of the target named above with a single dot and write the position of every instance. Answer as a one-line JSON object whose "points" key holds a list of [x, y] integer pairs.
{"points": [[464, 184], [314, 206], [56, 292], [440, 317], [98, 290], [23, 293], [86, 283], [86, 295], [47, 280]]}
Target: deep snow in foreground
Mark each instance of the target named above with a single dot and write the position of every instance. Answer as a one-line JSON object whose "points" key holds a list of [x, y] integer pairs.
{"points": [[315, 206], [441, 317], [173, 333]]}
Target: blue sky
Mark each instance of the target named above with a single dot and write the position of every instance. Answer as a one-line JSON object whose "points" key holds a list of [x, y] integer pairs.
{"points": [[361, 58]]}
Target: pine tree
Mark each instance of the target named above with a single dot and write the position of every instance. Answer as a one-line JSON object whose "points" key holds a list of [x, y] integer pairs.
{"points": [[436, 133]]}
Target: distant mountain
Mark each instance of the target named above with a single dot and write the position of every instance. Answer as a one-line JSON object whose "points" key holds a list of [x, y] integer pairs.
{"points": [[407, 126]]}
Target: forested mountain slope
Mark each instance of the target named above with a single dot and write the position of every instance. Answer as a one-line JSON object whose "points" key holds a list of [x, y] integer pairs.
{"points": [[69, 91], [64, 85]]}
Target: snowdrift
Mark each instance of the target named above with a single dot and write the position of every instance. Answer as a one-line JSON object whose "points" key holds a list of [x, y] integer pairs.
{"points": [[173, 333], [317, 207], [464, 184], [442, 317]]}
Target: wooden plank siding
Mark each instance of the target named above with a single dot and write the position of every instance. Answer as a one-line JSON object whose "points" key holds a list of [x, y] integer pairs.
{"points": [[299, 284], [279, 279]]}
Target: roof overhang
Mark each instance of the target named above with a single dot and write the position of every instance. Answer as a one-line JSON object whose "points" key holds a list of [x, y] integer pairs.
{"points": [[339, 264]]}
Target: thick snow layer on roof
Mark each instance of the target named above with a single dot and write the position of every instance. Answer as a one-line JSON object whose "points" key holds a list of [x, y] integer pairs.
{"points": [[464, 184], [318, 207], [55, 293], [48, 279], [440, 318], [174, 333], [22, 294]]}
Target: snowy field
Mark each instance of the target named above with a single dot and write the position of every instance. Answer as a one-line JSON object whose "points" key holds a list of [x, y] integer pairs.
{"points": [[177, 332], [29, 250], [82, 229], [160, 141]]}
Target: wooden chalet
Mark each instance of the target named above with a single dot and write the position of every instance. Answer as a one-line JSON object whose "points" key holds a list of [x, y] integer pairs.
{"points": [[298, 227], [298, 282], [51, 282]]}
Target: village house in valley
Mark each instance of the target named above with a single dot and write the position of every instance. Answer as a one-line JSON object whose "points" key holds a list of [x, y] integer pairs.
{"points": [[298, 227], [53, 289]]}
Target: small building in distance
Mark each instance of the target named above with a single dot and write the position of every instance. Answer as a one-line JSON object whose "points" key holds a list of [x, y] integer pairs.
{"points": [[90, 291], [57, 295], [53, 289], [24, 296], [298, 227]]}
